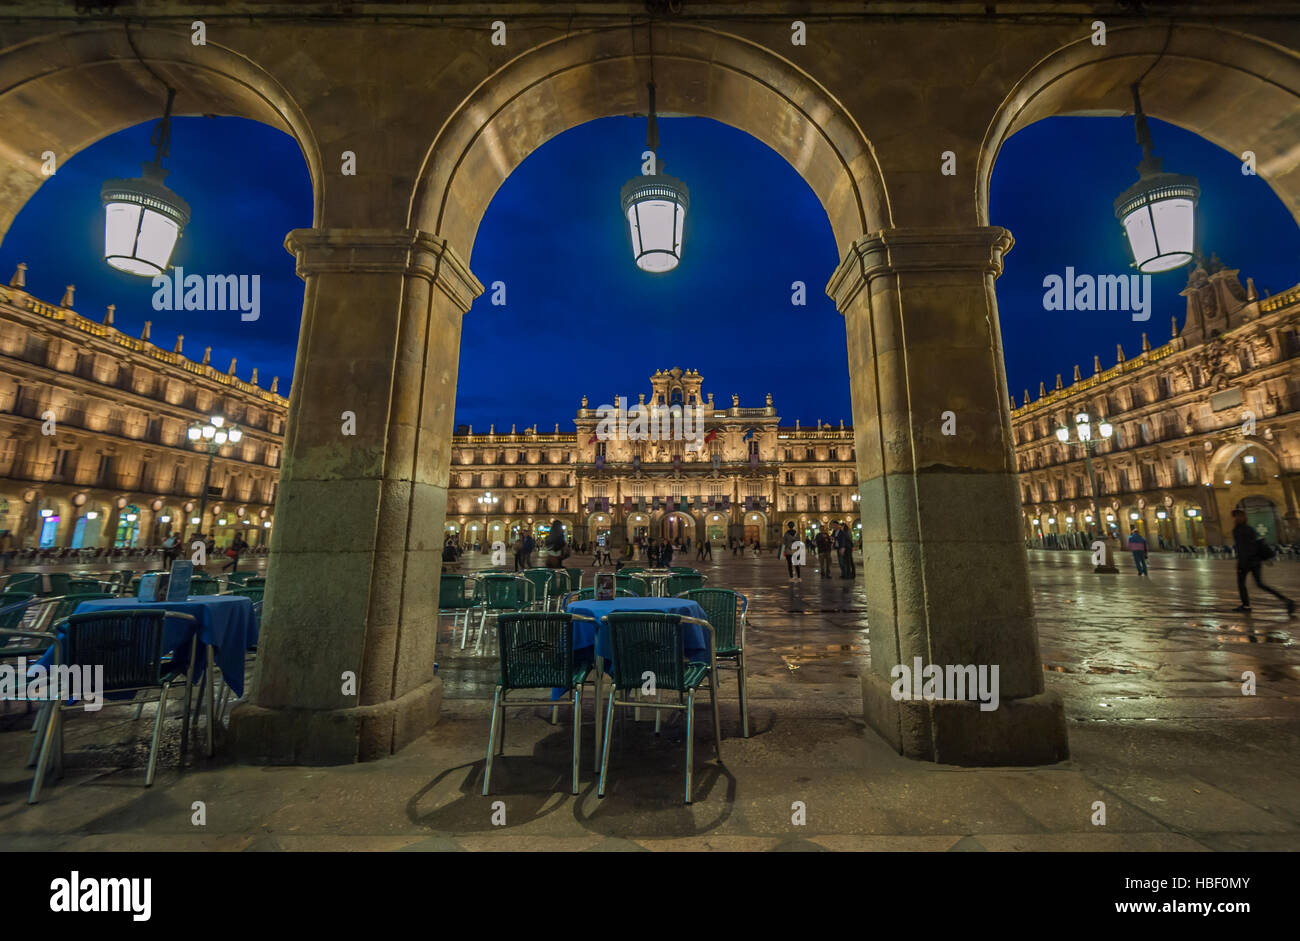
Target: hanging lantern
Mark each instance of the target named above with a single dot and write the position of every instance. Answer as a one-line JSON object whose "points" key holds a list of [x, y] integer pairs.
{"points": [[655, 205], [1158, 212], [142, 217]]}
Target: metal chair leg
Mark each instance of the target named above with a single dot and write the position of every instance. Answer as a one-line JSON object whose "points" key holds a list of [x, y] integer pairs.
{"points": [[717, 722], [189, 696], [555, 715], [52, 730], [577, 733], [491, 749], [744, 698], [658, 712], [39, 729], [139, 709], [212, 671], [157, 729], [501, 743], [604, 754], [690, 741]]}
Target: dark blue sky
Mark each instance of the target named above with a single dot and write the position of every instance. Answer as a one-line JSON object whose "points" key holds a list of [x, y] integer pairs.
{"points": [[582, 319]]}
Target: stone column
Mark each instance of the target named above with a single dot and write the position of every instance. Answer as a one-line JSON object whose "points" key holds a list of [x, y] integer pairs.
{"points": [[945, 566], [356, 548]]}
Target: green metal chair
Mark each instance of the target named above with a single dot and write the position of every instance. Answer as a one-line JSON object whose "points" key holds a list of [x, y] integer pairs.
{"points": [[240, 578], [683, 570], [35, 583], [653, 642], [589, 594], [205, 585], [575, 578], [456, 597], [128, 644], [85, 584], [14, 608], [30, 645], [725, 610], [500, 593], [629, 569], [544, 584], [536, 651], [255, 581], [686, 582], [61, 606], [638, 586]]}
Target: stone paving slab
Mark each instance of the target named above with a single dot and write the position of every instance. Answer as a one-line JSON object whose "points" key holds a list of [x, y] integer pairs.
{"points": [[1150, 673]]}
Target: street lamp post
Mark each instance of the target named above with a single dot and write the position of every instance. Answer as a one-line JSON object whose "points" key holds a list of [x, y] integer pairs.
{"points": [[487, 502], [1084, 437], [216, 433]]}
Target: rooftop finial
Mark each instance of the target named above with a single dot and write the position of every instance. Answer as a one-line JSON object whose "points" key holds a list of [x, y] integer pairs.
{"points": [[108, 317], [207, 356], [67, 296], [148, 328], [253, 378], [19, 280], [1096, 364], [1077, 377], [180, 342], [275, 383], [231, 370], [1146, 344], [1119, 354]]}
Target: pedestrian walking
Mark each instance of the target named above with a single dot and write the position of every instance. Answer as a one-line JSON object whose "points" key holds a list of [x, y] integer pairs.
{"points": [[787, 549], [1138, 546], [7, 547], [824, 546], [699, 550], [1252, 553], [237, 547], [708, 549]]}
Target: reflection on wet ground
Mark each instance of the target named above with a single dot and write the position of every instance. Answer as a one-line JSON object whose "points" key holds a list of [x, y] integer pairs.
{"points": [[1104, 638]]}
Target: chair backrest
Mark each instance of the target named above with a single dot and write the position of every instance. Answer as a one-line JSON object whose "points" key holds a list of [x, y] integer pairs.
{"points": [[683, 570], [536, 650], [255, 581], [680, 583], [575, 578], [239, 577], [541, 579], [126, 642], [646, 641], [637, 586], [503, 592], [205, 585], [253, 592], [13, 608], [628, 569], [64, 605], [454, 591], [723, 608], [81, 585], [23, 581], [58, 584]]}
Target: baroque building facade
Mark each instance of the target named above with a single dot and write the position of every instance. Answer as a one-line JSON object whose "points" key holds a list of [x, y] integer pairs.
{"points": [[723, 473], [93, 434], [1206, 423]]}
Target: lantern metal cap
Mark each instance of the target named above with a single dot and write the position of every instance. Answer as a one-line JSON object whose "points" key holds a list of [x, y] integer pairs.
{"points": [[148, 191], [656, 185], [1153, 187]]}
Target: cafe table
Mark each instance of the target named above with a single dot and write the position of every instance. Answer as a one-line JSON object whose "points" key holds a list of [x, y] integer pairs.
{"points": [[224, 624], [594, 635], [657, 580]]}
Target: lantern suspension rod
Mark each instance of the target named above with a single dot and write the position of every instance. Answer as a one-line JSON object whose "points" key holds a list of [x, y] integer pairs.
{"points": [[162, 133], [652, 125]]}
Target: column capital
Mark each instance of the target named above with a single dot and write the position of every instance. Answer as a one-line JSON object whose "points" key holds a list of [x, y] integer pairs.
{"points": [[890, 251], [410, 252]]}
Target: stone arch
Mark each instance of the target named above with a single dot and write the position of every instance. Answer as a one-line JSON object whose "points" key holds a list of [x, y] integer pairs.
{"points": [[65, 91], [1237, 91], [1227, 453], [702, 72]]}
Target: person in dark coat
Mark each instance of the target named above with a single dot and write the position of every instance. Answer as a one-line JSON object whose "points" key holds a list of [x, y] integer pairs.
{"points": [[1252, 552]]}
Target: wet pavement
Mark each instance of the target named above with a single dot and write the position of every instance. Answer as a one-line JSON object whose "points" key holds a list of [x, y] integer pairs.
{"points": [[1150, 671]]}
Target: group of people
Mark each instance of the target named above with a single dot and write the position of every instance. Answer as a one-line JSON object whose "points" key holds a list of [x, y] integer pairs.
{"points": [[838, 540]]}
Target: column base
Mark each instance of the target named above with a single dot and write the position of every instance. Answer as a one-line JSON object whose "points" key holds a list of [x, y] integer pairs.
{"points": [[1106, 570], [1029, 731], [333, 736]]}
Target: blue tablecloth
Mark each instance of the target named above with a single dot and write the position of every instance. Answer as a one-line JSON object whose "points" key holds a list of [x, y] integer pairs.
{"points": [[586, 634], [227, 622]]}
